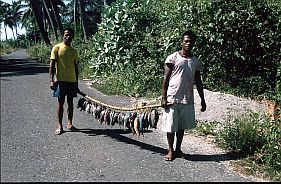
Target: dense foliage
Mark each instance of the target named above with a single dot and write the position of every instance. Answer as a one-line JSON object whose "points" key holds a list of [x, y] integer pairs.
{"points": [[253, 138], [125, 48], [11, 44], [237, 43]]}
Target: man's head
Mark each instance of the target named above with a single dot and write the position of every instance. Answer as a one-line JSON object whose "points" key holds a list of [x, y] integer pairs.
{"points": [[188, 40], [68, 35]]}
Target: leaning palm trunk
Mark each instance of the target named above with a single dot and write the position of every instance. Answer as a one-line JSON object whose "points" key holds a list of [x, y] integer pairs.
{"points": [[16, 29], [57, 16], [51, 16], [13, 33], [39, 19]]}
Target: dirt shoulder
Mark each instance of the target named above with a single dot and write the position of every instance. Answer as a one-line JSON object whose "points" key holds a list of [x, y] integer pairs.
{"points": [[219, 107]]}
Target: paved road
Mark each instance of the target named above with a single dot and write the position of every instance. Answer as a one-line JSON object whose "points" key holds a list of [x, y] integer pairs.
{"points": [[30, 152]]}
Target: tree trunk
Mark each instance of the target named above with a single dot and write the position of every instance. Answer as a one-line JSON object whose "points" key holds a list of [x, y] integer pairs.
{"points": [[75, 15], [13, 33], [39, 19], [51, 16], [83, 19], [6, 32], [16, 28], [46, 20], [57, 15]]}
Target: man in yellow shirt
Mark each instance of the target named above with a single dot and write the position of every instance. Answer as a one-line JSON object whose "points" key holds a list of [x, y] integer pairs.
{"points": [[64, 64]]}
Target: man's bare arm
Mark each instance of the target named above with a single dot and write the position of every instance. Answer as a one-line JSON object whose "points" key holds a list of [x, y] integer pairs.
{"points": [[199, 87], [52, 72], [168, 68]]}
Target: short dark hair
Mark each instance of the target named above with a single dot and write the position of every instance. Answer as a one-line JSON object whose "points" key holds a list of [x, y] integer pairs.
{"points": [[189, 33], [69, 29]]}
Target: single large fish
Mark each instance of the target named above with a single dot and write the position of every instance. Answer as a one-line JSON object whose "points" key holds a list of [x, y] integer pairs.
{"points": [[154, 117]]}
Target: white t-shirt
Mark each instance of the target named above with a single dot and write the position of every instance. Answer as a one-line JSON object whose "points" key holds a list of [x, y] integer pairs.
{"points": [[180, 89]]}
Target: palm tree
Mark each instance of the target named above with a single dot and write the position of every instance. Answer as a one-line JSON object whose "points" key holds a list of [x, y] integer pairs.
{"points": [[28, 19], [41, 11], [37, 11], [71, 14], [4, 16], [52, 21], [55, 9], [16, 14], [85, 14], [90, 15]]}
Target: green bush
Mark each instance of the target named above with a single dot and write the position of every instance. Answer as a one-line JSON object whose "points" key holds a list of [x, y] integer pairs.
{"points": [[124, 49], [207, 128], [256, 138], [85, 54], [242, 135], [242, 34], [270, 153], [10, 45], [5, 47], [40, 52], [237, 43]]}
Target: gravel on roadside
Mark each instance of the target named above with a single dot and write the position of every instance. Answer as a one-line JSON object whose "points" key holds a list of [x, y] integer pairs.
{"points": [[220, 106]]}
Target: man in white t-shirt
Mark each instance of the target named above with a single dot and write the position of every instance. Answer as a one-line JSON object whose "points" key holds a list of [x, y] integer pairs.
{"points": [[181, 70]]}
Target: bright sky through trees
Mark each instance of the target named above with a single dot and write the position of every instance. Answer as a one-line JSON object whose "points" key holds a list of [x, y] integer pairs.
{"points": [[9, 31]]}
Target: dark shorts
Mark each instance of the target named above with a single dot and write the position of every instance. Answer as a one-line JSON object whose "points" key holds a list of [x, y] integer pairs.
{"points": [[68, 89]]}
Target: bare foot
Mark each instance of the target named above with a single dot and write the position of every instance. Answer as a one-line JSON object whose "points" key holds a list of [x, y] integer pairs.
{"points": [[179, 154], [169, 156]]}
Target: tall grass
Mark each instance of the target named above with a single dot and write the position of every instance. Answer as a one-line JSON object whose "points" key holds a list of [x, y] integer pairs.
{"points": [[256, 138]]}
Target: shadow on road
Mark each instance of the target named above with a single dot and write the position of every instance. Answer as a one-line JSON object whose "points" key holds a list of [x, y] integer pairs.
{"points": [[117, 135], [14, 67]]}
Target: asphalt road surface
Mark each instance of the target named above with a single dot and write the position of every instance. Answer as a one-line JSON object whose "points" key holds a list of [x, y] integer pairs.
{"points": [[30, 152]]}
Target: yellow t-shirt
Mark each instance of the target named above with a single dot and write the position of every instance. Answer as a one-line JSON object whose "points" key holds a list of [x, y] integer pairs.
{"points": [[67, 58]]}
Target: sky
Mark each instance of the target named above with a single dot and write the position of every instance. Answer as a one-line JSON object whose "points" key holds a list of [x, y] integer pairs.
{"points": [[9, 31]]}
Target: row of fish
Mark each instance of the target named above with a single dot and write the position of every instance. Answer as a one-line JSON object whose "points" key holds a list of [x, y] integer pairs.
{"points": [[136, 122]]}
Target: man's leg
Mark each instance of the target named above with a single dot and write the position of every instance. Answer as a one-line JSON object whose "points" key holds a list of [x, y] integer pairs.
{"points": [[59, 116], [170, 138], [69, 111], [179, 135]]}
